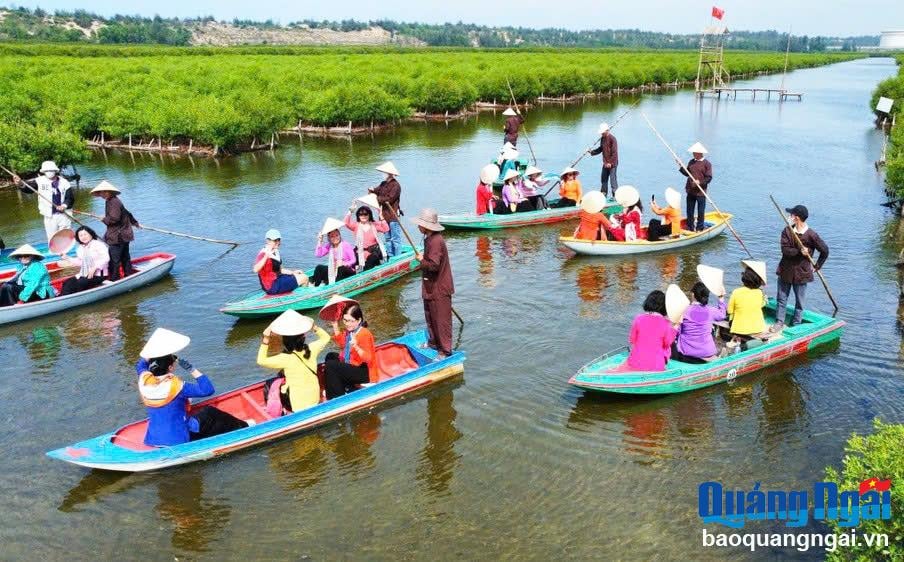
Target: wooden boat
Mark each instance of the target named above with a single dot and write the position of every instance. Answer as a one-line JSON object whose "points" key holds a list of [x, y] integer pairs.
{"points": [[150, 268], [7, 263], [470, 221], [604, 375], [259, 303], [715, 224], [405, 367]]}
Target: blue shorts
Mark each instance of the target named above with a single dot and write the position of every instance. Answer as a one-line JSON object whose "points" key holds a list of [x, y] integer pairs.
{"points": [[283, 284]]}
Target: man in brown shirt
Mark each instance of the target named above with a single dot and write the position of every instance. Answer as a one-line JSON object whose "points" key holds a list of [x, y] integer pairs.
{"points": [[437, 287], [701, 171], [119, 233], [795, 269], [609, 148], [389, 195], [512, 126]]}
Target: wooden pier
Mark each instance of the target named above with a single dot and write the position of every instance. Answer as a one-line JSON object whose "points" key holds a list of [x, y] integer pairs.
{"points": [[732, 93]]}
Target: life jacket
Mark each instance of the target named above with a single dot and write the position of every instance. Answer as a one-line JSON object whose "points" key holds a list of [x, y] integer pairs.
{"points": [[157, 392], [275, 268]]}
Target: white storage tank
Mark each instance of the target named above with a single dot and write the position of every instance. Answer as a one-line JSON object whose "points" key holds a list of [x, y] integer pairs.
{"points": [[893, 39]]}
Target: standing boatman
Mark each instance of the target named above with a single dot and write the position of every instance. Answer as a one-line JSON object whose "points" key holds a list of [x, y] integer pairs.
{"points": [[389, 195], [701, 170], [609, 148], [512, 125], [437, 287], [119, 233], [795, 269], [55, 196]]}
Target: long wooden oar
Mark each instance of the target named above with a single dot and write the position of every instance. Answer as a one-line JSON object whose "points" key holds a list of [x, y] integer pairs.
{"points": [[595, 142], [800, 245], [523, 130], [98, 217], [413, 247], [705, 194]]}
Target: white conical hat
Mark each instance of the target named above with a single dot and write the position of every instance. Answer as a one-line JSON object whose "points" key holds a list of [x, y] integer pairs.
{"points": [[507, 145], [673, 198], [330, 311], [511, 174], [105, 186], [49, 166], [758, 267], [291, 323], [509, 112], [593, 201], [676, 302], [26, 250], [627, 195], [567, 170], [388, 168], [330, 225], [531, 170], [603, 128], [698, 147], [510, 154], [62, 241], [164, 342], [713, 278], [489, 173], [369, 200]]}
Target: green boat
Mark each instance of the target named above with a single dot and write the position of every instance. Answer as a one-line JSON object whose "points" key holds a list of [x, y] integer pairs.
{"points": [[259, 303], [603, 374]]}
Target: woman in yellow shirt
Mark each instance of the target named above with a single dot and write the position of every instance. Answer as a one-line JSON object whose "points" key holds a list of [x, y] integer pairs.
{"points": [[745, 307], [569, 190], [298, 360], [670, 225]]}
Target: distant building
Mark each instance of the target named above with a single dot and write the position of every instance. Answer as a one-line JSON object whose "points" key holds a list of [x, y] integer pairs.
{"points": [[893, 39]]}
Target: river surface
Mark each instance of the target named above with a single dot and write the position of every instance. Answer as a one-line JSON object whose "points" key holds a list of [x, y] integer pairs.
{"points": [[507, 461]]}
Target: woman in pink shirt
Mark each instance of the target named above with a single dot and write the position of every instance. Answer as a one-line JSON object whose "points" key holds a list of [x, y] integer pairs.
{"points": [[651, 336], [368, 247], [340, 255]]}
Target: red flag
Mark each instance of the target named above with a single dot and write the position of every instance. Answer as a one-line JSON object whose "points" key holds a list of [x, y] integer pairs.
{"points": [[718, 13], [883, 485], [874, 484]]}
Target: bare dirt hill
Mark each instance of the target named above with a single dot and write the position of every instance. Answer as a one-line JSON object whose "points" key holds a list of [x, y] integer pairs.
{"points": [[220, 34]]}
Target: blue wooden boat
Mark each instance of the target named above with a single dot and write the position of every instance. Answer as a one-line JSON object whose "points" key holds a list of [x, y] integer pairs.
{"points": [[7, 263], [405, 367]]}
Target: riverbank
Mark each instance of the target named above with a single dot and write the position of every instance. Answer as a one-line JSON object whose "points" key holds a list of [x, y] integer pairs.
{"points": [[891, 123]]}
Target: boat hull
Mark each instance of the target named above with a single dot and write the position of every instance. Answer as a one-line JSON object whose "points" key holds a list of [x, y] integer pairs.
{"points": [[816, 330], [151, 268], [259, 303], [515, 220], [103, 453], [613, 248]]}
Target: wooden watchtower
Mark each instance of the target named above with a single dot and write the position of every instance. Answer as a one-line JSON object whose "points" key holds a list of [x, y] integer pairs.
{"points": [[711, 72]]}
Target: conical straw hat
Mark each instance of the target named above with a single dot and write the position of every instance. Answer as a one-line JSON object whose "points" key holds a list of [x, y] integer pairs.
{"points": [[388, 168], [593, 201], [291, 323], [164, 342], [62, 241], [567, 170], [27, 250], [627, 195], [369, 200], [604, 127], [510, 154], [676, 302], [49, 166], [698, 147], [673, 198], [511, 174], [713, 278], [334, 308], [330, 225], [509, 112], [105, 186], [531, 170], [489, 173], [758, 267]]}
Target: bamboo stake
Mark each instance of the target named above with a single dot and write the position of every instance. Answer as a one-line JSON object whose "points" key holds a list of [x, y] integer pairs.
{"points": [[800, 245], [705, 194], [532, 155]]}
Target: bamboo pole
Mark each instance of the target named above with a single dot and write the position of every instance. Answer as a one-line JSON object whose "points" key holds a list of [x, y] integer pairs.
{"points": [[697, 183], [532, 155], [800, 246]]}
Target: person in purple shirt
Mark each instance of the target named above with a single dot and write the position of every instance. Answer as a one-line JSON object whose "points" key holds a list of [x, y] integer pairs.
{"points": [[695, 342]]}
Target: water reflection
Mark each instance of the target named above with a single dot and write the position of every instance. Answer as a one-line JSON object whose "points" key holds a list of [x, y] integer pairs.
{"points": [[591, 280], [484, 262], [784, 408], [43, 346], [438, 459]]}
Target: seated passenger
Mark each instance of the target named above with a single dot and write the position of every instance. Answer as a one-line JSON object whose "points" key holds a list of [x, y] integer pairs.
{"points": [[569, 190], [745, 307], [626, 225], [356, 362], [268, 266], [341, 255], [512, 199], [594, 223], [298, 359], [91, 257], [166, 395], [369, 248], [695, 343], [651, 336], [31, 282], [530, 187], [486, 199], [670, 225], [507, 161]]}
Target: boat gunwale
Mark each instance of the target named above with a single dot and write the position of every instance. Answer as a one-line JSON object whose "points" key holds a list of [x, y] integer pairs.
{"points": [[713, 231]]}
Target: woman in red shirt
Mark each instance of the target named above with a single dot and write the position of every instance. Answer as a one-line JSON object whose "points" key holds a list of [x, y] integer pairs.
{"points": [[356, 362], [485, 196], [268, 265]]}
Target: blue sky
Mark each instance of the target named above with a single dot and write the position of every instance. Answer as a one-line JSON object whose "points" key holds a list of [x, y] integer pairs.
{"points": [[810, 17]]}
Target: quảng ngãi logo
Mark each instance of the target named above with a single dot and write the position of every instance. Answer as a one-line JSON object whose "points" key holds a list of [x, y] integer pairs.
{"points": [[733, 508]]}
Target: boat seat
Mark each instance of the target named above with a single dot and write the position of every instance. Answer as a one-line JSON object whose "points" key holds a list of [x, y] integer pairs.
{"points": [[256, 406], [394, 359]]}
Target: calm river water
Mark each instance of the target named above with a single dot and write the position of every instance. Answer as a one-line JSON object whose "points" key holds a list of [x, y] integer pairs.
{"points": [[507, 461]]}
